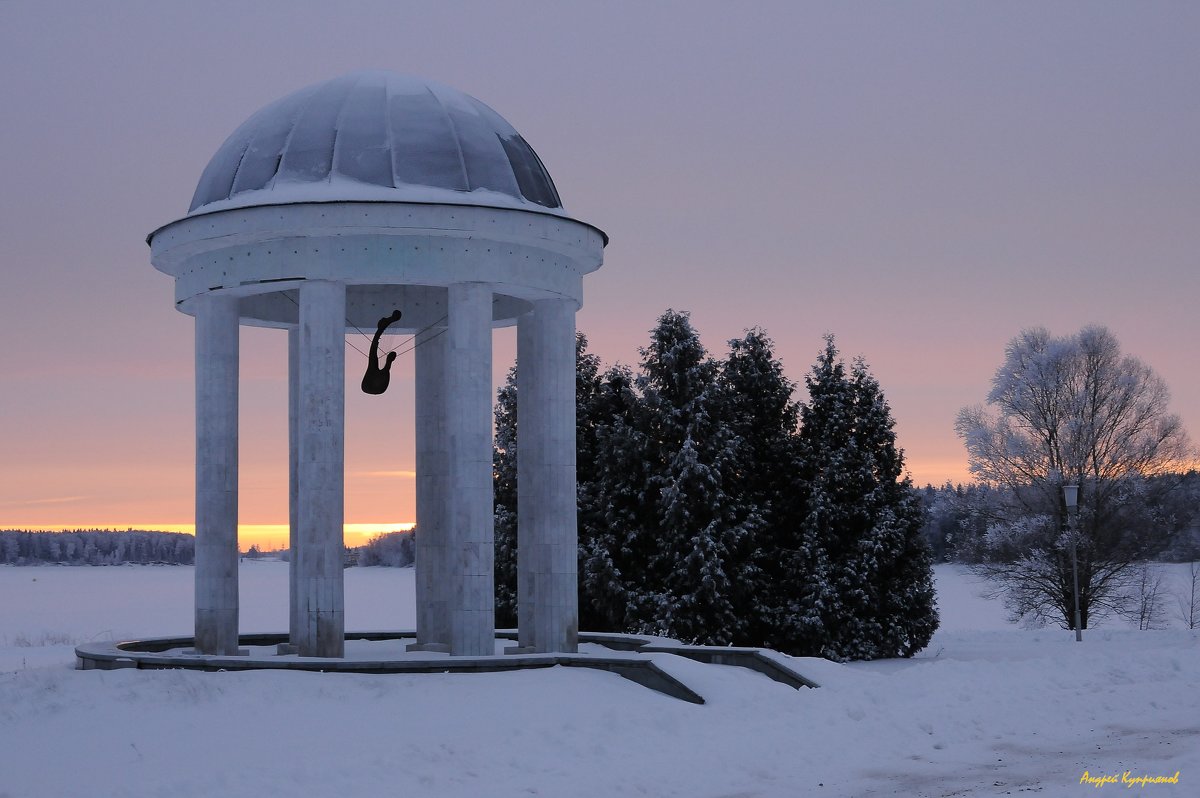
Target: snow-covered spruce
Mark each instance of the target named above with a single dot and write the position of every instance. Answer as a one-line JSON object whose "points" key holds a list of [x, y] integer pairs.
{"points": [[706, 515]]}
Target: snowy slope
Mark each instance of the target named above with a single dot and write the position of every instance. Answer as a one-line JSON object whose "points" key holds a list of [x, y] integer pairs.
{"points": [[986, 710]]}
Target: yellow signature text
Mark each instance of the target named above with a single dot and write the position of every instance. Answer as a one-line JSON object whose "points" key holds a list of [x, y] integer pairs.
{"points": [[1128, 779]]}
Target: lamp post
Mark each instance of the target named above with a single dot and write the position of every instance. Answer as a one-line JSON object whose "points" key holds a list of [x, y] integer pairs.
{"points": [[1071, 498]]}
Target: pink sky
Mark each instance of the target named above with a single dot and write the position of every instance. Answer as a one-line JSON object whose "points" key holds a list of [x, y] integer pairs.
{"points": [[922, 180]]}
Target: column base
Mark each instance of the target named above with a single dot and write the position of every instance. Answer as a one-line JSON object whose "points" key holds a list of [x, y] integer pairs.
{"points": [[441, 648]]}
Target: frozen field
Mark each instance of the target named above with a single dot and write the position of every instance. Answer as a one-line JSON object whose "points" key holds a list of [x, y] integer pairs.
{"points": [[986, 710]]}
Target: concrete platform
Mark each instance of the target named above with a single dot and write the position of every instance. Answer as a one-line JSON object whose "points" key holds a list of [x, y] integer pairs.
{"points": [[628, 656]]}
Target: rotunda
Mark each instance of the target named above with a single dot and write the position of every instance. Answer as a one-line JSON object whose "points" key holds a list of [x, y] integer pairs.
{"points": [[322, 213]]}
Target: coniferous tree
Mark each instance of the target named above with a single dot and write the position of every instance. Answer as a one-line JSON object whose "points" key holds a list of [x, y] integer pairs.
{"points": [[906, 612], [706, 516], [765, 418], [824, 435], [871, 587], [504, 491], [689, 446], [613, 510]]}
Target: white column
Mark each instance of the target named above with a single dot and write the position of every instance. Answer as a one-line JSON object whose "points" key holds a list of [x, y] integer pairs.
{"points": [[470, 510], [216, 475], [547, 545], [294, 614], [530, 551], [433, 463], [321, 467]]}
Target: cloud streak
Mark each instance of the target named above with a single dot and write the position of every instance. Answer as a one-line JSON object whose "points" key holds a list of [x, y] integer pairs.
{"points": [[37, 502]]}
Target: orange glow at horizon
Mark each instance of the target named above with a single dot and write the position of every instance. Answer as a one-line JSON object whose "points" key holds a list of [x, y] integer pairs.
{"points": [[939, 472], [268, 537]]}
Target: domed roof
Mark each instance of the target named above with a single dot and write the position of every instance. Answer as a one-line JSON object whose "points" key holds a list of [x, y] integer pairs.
{"points": [[376, 136]]}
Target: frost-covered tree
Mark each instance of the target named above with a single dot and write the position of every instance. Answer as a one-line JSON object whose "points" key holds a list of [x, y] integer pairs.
{"points": [[1070, 410], [765, 417], [396, 549], [654, 526], [688, 447], [504, 491], [870, 592], [660, 538], [895, 551], [693, 513], [615, 518], [95, 547]]}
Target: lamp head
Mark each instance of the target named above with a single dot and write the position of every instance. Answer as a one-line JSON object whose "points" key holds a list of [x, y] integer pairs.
{"points": [[1071, 496]]}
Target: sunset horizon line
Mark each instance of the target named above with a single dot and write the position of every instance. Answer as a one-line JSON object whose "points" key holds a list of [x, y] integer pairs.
{"points": [[265, 536]]}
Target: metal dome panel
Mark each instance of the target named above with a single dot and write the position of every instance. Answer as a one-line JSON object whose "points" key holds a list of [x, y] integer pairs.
{"points": [[375, 136]]}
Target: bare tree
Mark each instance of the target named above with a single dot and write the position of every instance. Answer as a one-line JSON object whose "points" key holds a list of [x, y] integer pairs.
{"points": [[1189, 599], [1070, 410], [1145, 606]]}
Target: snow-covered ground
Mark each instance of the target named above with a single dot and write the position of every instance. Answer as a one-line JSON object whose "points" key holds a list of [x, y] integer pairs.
{"points": [[987, 709]]}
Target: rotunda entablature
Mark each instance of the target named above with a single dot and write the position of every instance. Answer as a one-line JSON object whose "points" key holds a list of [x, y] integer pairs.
{"points": [[383, 251]]}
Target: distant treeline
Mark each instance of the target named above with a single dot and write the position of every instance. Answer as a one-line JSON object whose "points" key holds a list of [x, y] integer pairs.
{"points": [[96, 547], [1165, 510], [395, 549]]}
